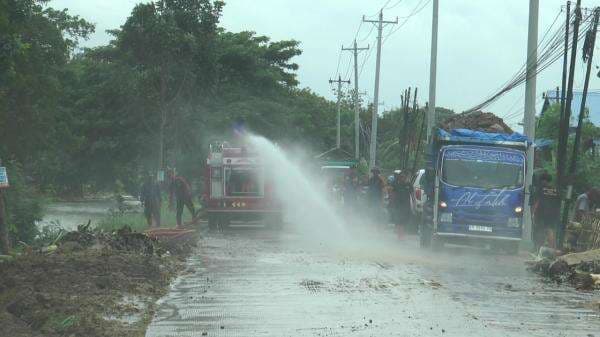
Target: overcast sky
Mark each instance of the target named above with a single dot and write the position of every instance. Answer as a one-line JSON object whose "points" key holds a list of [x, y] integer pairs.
{"points": [[482, 43]]}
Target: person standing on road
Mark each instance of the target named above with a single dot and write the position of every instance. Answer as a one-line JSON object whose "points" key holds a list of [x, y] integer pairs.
{"points": [[584, 203], [179, 189], [351, 189], [401, 192], [546, 212], [375, 195], [151, 199]]}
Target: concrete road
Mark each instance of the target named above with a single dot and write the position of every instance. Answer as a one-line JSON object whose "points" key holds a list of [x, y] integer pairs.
{"points": [[256, 282]]}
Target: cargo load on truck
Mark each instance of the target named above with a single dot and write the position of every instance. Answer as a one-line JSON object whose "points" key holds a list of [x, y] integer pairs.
{"points": [[476, 121]]}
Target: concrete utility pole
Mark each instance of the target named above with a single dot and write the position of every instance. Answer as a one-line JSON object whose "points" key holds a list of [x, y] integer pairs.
{"points": [[432, 70], [529, 118], [563, 136], [373, 148], [339, 98], [590, 52], [563, 128], [355, 51]]}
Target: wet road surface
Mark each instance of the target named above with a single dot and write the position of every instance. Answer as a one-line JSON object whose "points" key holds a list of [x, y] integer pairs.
{"points": [[256, 282]]}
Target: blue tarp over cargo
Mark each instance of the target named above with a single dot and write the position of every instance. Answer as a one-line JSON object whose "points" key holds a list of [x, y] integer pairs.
{"points": [[471, 135]]}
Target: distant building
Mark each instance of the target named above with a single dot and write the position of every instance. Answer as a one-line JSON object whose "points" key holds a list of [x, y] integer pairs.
{"points": [[592, 103]]}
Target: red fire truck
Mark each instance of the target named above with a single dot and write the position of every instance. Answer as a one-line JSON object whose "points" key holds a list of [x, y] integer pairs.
{"points": [[237, 187]]}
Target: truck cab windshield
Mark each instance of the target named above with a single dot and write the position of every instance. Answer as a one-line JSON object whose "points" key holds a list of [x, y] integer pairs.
{"points": [[482, 174]]}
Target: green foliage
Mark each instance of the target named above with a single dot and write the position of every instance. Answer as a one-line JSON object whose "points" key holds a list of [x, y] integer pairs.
{"points": [[24, 206], [588, 165]]}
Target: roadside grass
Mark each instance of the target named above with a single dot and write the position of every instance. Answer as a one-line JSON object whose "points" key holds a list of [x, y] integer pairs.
{"points": [[137, 221]]}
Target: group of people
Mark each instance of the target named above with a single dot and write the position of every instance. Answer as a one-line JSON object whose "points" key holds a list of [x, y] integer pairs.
{"points": [[547, 209], [180, 197], [396, 188]]}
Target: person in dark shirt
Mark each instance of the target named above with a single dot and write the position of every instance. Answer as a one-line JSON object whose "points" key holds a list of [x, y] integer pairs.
{"points": [[400, 199], [546, 212], [151, 199], [375, 194], [180, 193], [351, 189]]}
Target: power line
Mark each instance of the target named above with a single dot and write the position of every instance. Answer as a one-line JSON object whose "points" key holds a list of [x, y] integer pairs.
{"points": [[418, 8], [365, 59], [393, 6], [337, 69], [368, 34], [551, 51]]}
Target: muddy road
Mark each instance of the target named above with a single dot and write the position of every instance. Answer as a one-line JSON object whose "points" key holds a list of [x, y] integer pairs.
{"points": [[255, 282]]}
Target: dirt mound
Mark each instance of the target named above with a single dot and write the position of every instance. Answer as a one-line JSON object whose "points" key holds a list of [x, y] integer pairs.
{"points": [[477, 120], [79, 288]]}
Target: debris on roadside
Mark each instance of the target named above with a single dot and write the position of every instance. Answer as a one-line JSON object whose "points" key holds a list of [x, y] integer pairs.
{"points": [[582, 270], [432, 283], [79, 284]]}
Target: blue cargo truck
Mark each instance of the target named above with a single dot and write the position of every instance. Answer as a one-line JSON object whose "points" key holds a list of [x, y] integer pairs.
{"points": [[475, 185]]}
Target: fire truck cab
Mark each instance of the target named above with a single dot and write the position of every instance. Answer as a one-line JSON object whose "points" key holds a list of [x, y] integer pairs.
{"points": [[237, 187]]}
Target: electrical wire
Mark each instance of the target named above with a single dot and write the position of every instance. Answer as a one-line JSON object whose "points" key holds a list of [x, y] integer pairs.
{"points": [[368, 34], [418, 8], [337, 69], [348, 67], [365, 59], [552, 50], [394, 5]]}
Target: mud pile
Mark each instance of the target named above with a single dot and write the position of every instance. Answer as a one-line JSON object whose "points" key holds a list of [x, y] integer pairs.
{"points": [[477, 120], [582, 270], [81, 287]]}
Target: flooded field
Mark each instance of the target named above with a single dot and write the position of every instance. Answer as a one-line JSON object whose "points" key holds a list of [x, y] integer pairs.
{"points": [[70, 214]]}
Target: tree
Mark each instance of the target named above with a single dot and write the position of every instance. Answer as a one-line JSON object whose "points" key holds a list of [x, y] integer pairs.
{"points": [[36, 42], [169, 43]]}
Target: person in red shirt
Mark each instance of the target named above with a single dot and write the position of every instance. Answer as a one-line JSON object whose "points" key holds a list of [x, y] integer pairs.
{"points": [[180, 190]]}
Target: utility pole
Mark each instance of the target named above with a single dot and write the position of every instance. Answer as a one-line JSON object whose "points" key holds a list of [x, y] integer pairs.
{"points": [[339, 98], [529, 118], [419, 139], [4, 241], [355, 51], [373, 146], [592, 41], [564, 128], [404, 136], [432, 70]]}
